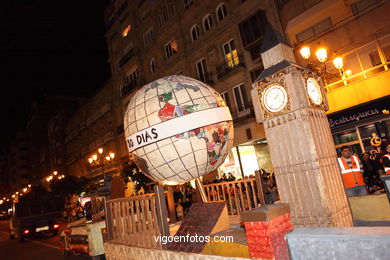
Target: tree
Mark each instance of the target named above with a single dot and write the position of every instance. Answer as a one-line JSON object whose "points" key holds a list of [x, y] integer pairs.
{"points": [[69, 185], [131, 171]]}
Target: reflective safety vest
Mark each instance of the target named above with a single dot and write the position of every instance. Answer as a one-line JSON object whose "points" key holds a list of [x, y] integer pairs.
{"points": [[387, 169], [351, 176]]}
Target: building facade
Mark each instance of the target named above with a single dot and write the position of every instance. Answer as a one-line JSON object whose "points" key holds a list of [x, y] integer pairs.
{"points": [[216, 42], [18, 162], [92, 127], [359, 32]]}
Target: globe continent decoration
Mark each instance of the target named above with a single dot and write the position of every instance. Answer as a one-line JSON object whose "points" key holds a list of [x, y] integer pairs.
{"points": [[178, 129]]}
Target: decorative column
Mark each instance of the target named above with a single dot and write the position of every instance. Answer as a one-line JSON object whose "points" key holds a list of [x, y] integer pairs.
{"points": [[291, 104]]}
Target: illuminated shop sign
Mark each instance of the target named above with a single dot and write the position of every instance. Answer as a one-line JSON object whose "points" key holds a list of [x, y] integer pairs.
{"points": [[377, 108]]}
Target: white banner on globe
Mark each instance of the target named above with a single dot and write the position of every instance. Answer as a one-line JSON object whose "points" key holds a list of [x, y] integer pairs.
{"points": [[177, 125]]}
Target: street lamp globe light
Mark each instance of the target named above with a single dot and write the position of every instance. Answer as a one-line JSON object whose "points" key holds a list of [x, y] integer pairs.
{"points": [[90, 159], [94, 157], [100, 150], [112, 155], [338, 62], [305, 52], [322, 54]]}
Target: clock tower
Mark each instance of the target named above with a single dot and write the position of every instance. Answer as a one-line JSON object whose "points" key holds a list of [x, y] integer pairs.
{"points": [[290, 101]]}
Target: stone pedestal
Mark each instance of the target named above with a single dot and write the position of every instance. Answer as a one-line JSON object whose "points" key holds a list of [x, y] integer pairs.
{"points": [[265, 229]]}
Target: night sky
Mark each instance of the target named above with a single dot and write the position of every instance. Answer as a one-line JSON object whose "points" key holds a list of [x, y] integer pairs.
{"points": [[48, 46]]}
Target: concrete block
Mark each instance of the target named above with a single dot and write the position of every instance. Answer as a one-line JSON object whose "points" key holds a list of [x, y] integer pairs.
{"points": [[339, 243]]}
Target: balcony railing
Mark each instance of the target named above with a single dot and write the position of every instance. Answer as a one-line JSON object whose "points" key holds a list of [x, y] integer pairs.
{"points": [[126, 58], [131, 86], [362, 63], [230, 65], [240, 114], [358, 76]]}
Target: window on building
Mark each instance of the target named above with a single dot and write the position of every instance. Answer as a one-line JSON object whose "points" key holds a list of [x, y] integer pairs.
{"points": [[114, 41], [376, 58], [207, 23], [187, 3], [240, 97], [221, 12], [225, 97], [252, 32], [316, 29], [166, 12], [201, 70], [148, 36], [126, 31], [256, 73], [131, 79], [170, 48], [125, 58], [363, 5], [153, 65], [231, 54], [194, 32]]}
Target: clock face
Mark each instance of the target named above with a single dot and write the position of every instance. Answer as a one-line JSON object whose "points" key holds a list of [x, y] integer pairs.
{"points": [[274, 98], [313, 90]]}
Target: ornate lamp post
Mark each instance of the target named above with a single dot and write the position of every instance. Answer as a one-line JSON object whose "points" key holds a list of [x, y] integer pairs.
{"points": [[322, 57], [100, 160]]}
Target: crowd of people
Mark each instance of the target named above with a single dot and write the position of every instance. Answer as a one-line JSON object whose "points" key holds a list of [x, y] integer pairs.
{"points": [[73, 210], [184, 196], [360, 175]]}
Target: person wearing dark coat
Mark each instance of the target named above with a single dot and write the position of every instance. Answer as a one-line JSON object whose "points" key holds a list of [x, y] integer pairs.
{"points": [[371, 175]]}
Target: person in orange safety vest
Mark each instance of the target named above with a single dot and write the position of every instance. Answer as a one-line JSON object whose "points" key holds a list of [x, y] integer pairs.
{"points": [[352, 173]]}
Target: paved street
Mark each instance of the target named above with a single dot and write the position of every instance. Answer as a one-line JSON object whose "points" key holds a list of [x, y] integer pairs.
{"points": [[42, 247]]}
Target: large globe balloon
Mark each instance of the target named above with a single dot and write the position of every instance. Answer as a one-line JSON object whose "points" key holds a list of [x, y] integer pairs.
{"points": [[177, 129]]}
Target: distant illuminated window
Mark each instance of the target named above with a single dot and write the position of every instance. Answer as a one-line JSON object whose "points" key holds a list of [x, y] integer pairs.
{"points": [[231, 54], [126, 31], [171, 48]]}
